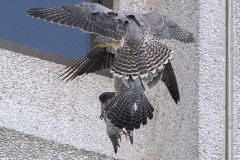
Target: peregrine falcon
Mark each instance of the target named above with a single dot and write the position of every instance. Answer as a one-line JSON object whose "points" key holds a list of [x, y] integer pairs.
{"points": [[130, 93], [130, 47], [135, 38], [113, 132], [100, 58]]}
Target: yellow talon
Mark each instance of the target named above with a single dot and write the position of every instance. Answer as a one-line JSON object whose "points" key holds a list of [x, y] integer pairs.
{"points": [[105, 45]]}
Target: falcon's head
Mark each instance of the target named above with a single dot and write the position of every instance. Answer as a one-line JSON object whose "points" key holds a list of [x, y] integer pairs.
{"points": [[106, 97]]}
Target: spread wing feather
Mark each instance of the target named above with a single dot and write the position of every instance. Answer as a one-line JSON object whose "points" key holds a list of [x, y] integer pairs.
{"points": [[90, 17], [160, 26], [170, 81], [167, 75], [174, 31], [95, 60]]}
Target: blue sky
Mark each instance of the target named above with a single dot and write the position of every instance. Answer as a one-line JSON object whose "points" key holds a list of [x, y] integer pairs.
{"points": [[16, 26]]}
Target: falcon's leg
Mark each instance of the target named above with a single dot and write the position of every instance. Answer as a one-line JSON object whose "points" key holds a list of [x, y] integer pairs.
{"points": [[125, 133], [105, 45], [119, 137]]}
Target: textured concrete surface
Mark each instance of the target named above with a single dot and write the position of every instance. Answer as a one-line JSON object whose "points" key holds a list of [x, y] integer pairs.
{"points": [[236, 79], [33, 101], [19, 146], [211, 80]]}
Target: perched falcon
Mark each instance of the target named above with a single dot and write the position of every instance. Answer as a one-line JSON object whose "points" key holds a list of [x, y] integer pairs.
{"points": [[113, 132], [135, 38]]}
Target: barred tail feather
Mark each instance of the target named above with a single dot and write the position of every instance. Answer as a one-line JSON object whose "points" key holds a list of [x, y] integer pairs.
{"points": [[132, 61], [130, 108]]}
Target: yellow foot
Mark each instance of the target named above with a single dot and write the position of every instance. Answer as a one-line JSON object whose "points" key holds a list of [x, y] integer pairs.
{"points": [[105, 45]]}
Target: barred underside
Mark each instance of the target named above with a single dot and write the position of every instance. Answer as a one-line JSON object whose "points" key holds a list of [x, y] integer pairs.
{"points": [[140, 60], [130, 108], [142, 54]]}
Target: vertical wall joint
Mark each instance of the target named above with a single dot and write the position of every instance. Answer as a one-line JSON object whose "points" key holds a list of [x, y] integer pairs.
{"points": [[229, 81]]}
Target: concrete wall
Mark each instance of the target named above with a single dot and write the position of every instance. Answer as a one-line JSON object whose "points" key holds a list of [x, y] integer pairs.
{"points": [[34, 102], [236, 79], [36, 105], [17, 145], [211, 80]]}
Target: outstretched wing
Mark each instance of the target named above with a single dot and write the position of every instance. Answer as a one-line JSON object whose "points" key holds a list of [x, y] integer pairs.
{"points": [[167, 75], [174, 31], [170, 81], [160, 26], [95, 60], [90, 17]]}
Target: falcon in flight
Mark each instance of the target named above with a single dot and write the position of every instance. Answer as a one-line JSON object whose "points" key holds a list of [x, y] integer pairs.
{"points": [[135, 38], [130, 47]]}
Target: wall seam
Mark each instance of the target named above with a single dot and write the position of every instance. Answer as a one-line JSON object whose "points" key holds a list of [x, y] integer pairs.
{"points": [[229, 83]]}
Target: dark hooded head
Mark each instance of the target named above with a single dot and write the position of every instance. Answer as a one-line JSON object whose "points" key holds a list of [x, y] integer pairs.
{"points": [[106, 96]]}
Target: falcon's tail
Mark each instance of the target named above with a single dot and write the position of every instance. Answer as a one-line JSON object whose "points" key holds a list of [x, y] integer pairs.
{"points": [[95, 60], [130, 133], [140, 60], [130, 108], [114, 140]]}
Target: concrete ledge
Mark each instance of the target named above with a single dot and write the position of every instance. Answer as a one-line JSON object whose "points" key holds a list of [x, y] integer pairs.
{"points": [[21, 146], [33, 52]]}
